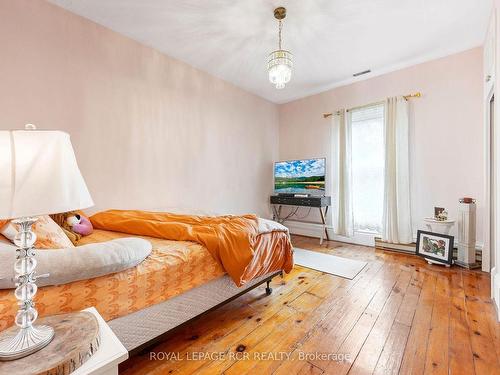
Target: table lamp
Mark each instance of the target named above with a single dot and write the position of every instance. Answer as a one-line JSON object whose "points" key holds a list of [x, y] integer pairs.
{"points": [[39, 175]]}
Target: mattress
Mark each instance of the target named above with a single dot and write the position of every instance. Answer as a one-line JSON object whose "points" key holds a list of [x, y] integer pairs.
{"points": [[173, 268]]}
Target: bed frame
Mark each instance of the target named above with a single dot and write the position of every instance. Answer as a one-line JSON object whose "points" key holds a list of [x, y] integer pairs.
{"points": [[142, 329]]}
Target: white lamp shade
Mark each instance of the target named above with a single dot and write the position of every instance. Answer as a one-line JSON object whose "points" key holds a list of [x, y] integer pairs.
{"points": [[39, 174]]}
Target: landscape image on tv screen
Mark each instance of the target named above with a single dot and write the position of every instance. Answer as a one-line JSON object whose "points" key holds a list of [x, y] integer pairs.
{"points": [[300, 177]]}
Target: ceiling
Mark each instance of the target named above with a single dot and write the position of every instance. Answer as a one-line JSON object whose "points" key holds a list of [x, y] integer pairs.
{"points": [[330, 39]]}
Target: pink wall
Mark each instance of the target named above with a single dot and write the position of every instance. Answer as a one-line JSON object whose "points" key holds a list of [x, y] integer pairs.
{"points": [[149, 131], [447, 151]]}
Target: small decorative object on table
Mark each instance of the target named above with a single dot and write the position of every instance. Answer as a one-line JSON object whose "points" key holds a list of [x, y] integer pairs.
{"points": [[435, 247], [38, 176], [440, 214]]}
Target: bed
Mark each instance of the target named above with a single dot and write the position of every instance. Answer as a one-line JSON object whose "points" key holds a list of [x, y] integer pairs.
{"points": [[179, 281]]}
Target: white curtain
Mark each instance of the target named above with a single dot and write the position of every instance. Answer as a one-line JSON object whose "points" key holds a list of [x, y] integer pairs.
{"points": [[343, 221], [397, 212]]}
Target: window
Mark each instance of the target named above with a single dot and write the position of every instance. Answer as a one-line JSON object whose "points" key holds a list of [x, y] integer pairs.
{"points": [[367, 166]]}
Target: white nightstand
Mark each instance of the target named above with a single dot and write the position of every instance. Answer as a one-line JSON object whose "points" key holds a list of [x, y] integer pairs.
{"points": [[110, 354], [439, 226]]}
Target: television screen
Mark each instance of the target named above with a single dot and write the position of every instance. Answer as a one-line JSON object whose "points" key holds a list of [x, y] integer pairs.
{"points": [[300, 177]]}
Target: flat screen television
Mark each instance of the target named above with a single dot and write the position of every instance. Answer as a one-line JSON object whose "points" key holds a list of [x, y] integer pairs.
{"points": [[305, 176]]}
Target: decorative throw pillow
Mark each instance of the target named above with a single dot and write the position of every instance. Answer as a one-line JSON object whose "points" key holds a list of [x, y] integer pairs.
{"points": [[49, 235]]}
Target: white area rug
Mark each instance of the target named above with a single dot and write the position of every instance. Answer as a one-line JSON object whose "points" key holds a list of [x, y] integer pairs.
{"points": [[331, 264]]}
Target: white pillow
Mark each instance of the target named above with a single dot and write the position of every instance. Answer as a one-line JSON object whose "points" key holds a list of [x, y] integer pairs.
{"points": [[81, 263]]}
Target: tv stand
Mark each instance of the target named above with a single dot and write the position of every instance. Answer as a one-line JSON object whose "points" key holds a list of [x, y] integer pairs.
{"points": [[286, 195], [320, 202]]}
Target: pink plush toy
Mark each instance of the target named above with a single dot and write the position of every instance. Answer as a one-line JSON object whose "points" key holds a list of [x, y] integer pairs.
{"points": [[80, 224]]}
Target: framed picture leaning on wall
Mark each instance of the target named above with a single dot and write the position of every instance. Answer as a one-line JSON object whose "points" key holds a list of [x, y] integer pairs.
{"points": [[435, 246]]}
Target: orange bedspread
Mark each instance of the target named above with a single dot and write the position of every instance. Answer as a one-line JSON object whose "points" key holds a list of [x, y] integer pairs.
{"points": [[230, 239], [174, 267]]}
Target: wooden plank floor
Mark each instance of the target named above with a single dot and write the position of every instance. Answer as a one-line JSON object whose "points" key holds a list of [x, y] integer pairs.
{"points": [[399, 315]]}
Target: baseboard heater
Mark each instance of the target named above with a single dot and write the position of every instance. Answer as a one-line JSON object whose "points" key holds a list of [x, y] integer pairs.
{"points": [[403, 248], [410, 248]]}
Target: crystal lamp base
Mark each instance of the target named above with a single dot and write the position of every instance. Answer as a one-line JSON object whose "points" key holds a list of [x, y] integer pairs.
{"points": [[15, 344], [27, 338]]}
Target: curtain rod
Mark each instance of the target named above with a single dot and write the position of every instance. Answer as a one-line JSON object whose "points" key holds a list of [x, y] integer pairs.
{"points": [[409, 96]]}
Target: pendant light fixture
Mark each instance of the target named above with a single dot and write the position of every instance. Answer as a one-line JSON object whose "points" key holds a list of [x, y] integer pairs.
{"points": [[280, 63]]}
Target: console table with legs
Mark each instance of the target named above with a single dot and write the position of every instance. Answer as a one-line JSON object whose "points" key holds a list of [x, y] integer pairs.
{"points": [[322, 203]]}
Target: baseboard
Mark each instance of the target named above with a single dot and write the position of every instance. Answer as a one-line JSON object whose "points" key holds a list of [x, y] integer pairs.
{"points": [[403, 248], [303, 229], [314, 230], [495, 291]]}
